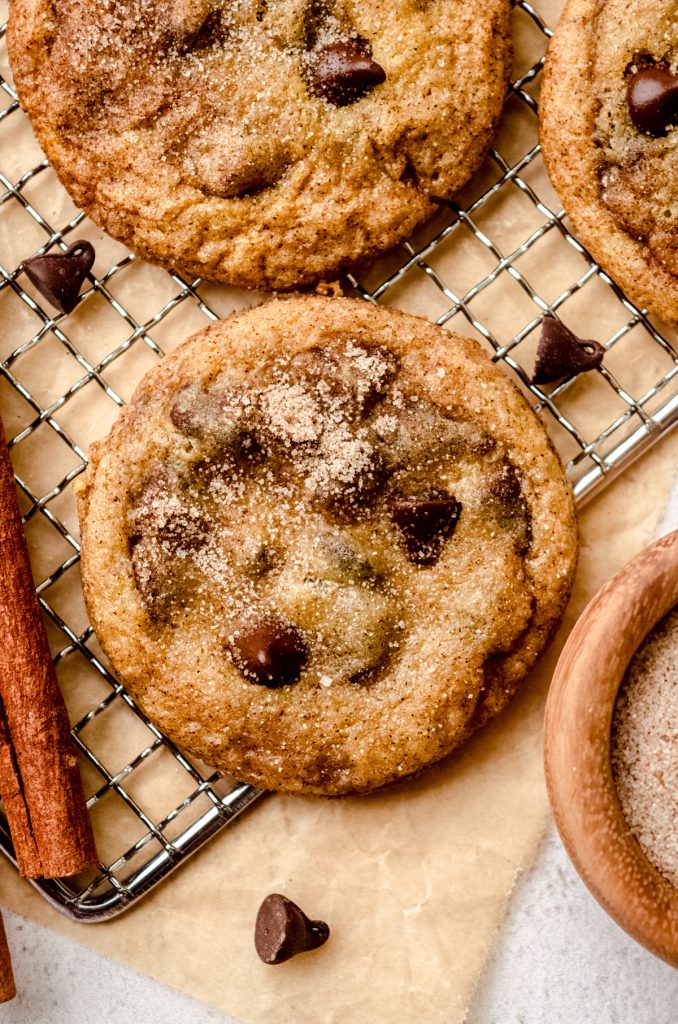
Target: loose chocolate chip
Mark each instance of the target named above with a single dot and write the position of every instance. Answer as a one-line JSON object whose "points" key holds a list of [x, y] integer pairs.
{"points": [[269, 651], [425, 524], [652, 98], [342, 72], [560, 353], [59, 276], [282, 930]]}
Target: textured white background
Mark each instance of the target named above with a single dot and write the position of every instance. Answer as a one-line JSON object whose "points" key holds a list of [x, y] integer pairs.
{"points": [[558, 959]]}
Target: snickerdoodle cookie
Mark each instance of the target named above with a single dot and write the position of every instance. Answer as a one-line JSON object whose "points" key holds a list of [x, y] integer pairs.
{"points": [[265, 143], [609, 131], [324, 543]]}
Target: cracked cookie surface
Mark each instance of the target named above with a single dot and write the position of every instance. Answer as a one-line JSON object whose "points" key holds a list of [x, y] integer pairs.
{"points": [[324, 543], [612, 154], [265, 143]]}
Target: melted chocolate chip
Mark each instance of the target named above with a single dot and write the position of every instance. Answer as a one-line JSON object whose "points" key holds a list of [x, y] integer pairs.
{"points": [[652, 98], [342, 72], [357, 381], [156, 503], [159, 510], [282, 930], [185, 18], [354, 479], [217, 418], [269, 651], [503, 499], [59, 276], [560, 353], [425, 524], [506, 487], [163, 580], [152, 570], [342, 562], [231, 164]]}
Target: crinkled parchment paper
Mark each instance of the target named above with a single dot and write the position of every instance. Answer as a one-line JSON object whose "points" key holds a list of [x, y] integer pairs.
{"points": [[414, 882]]}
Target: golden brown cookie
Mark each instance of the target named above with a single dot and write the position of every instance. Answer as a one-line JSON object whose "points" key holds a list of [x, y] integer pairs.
{"points": [[324, 543], [609, 132], [265, 143]]}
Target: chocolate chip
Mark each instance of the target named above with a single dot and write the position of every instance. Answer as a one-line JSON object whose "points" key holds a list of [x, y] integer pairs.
{"points": [[347, 477], [185, 18], [560, 353], [342, 72], [356, 378], [163, 580], [419, 434], [282, 930], [505, 486], [504, 502], [341, 562], [156, 503], [269, 651], [231, 164], [59, 276], [652, 98], [425, 524], [160, 510], [217, 418]]}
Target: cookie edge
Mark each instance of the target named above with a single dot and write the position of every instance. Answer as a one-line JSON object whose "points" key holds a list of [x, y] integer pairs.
{"points": [[566, 126]]}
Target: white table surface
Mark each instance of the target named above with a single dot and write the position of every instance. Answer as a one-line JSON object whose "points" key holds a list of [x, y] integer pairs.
{"points": [[558, 959]]}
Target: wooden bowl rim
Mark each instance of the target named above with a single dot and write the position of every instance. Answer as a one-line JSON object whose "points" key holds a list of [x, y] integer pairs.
{"points": [[577, 739]]}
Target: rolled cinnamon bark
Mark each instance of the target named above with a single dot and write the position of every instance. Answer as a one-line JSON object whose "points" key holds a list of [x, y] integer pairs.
{"points": [[7, 986], [39, 776]]}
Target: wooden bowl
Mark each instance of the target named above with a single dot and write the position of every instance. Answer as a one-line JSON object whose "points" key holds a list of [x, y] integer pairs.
{"points": [[577, 748]]}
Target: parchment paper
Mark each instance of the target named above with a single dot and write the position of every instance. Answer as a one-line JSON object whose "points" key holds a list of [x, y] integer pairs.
{"points": [[413, 882]]}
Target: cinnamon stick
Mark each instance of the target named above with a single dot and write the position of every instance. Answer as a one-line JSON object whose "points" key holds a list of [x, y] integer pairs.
{"points": [[39, 776], [7, 986]]}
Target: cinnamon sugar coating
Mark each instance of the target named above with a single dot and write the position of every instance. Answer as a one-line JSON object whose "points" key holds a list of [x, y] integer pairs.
{"points": [[192, 131], [618, 184], [277, 534], [644, 746]]}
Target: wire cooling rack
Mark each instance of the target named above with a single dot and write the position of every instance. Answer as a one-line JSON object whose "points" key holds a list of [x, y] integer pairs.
{"points": [[502, 253]]}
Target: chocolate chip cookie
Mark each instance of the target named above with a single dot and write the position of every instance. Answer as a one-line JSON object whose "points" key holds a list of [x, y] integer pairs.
{"points": [[264, 143], [609, 131], [324, 543]]}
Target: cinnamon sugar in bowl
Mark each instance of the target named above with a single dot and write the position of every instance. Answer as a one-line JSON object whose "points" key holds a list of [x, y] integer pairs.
{"points": [[645, 746], [611, 747]]}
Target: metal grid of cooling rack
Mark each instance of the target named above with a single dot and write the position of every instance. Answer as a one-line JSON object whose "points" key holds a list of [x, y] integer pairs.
{"points": [[212, 801]]}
